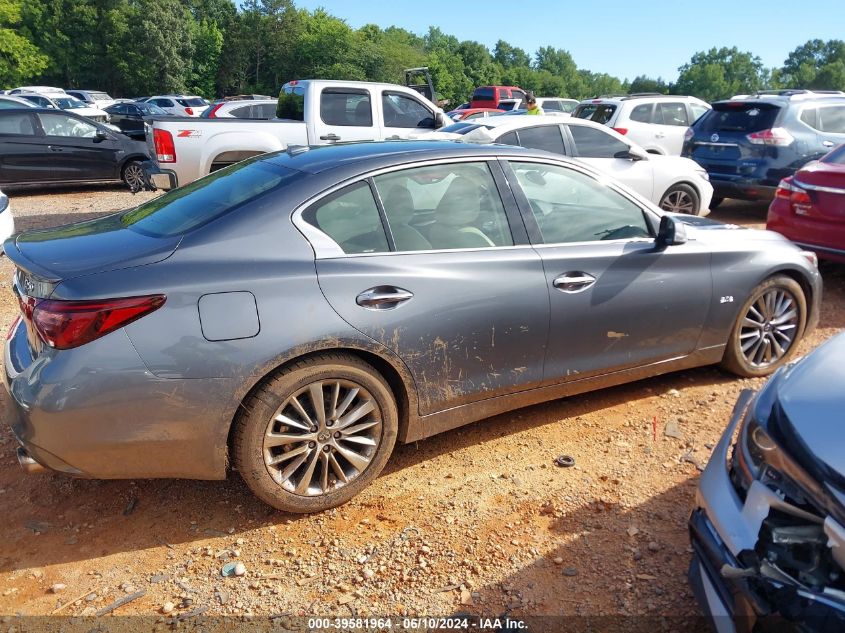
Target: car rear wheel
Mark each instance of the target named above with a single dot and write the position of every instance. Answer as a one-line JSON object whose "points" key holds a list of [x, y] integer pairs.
{"points": [[133, 175], [316, 433], [680, 199], [768, 328]]}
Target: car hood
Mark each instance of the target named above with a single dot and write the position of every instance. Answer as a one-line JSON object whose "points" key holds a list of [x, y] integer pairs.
{"points": [[811, 396], [721, 234], [88, 111], [85, 248]]}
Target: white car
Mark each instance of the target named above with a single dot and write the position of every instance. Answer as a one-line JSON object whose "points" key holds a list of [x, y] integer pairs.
{"points": [[66, 102], [7, 220], [676, 184], [655, 122], [93, 98], [179, 105], [10, 101], [41, 90], [259, 109]]}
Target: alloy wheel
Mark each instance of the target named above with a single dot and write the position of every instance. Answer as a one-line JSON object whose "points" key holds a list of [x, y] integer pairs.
{"points": [[769, 328], [133, 175], [322, 437], [678, 202]]}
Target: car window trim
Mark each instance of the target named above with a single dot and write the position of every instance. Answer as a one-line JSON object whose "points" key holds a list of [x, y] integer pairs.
{"points": [[534, 234], [325, 247], [37, 130]]}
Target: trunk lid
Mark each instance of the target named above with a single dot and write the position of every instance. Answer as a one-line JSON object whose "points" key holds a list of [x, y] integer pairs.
{"points": [[825, 184]]}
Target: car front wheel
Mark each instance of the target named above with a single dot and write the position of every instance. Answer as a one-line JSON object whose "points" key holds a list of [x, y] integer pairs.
{"points": [[316, 433], [680, 199], [768, 328]]}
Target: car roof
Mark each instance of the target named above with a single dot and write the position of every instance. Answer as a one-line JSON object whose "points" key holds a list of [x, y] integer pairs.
{"points": [[516, 121], [617, 99], [355, 158]]}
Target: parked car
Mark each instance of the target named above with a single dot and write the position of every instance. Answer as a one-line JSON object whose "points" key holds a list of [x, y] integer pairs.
{"points": [[473, 113], [313, 112], [768, 529], [59, 102], [40, 146], [749, 145], [179, 105], [263, 109], [655, 122], [675, 184], [443, 283], [43, 90], [129, 117], [491, 96], [809, 207], [9, 101], [522, 111], [94, 98], [552, 105], [7, 220]]}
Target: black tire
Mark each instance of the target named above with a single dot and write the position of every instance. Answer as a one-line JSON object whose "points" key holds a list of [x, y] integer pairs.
{"points": [[681, 198], [715, 201], [271, 401], [740, 360], [132, 175]]}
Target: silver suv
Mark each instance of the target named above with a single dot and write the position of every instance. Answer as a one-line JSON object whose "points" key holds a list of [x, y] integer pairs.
{"points": [[656, 122]]}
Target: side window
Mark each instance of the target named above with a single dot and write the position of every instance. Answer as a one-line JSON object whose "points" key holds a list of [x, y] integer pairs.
{"points": [[63, 125], [593, 143], [508, 139], [17, 123], [351, 218], [572, 207], [832, 119], [123, 109], [266, 110], [810, 116], [403, 111], [545, 137], [444, 207], [552, 106], [672, 114], [346, 107], [697, 111], [244, 112], [642, 113], [518, 94]]}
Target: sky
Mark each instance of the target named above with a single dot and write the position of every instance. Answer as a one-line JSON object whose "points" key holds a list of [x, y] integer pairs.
{"points": [[624, 38]]}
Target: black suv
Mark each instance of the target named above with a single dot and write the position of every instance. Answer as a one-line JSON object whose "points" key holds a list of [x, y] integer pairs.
{"points": [[748, 144]]}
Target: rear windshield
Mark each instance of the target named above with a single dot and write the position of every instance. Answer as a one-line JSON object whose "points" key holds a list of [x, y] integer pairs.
{"points": [[736, 116], [291, 103], [196, 102], [837, 156], [484, 94], [100, 96], [598, 112], [461, 128], [198, 203]]}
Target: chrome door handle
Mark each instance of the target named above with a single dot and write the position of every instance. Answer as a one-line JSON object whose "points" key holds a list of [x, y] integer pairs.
{"points": [[828, 143], [330, 137], [383, 298], [55, 149], [574, 281]]}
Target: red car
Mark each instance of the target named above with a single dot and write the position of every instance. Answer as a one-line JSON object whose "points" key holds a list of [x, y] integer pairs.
{"points": [[809, 207], [473, 113]]}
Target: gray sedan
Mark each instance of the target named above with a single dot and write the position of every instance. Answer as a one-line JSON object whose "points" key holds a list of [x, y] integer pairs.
{"points": [[298, 313]]}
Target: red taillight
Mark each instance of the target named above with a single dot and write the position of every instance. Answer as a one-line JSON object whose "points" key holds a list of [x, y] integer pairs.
{"points": [[165, 150], [213, 113], [799, 199], [622, 130], [189, 111], [776, 136], [69, 324]]}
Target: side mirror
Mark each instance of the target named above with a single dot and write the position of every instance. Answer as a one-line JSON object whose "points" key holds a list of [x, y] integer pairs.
{"points": [[670, 233], [632, 153], [440, 120], [100, 136]]}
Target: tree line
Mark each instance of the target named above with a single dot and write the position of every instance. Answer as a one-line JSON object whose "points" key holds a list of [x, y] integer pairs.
{"points": [[215, 48]]}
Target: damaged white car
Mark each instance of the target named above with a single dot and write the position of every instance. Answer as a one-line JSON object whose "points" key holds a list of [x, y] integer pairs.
{"points": [[768, 530]]}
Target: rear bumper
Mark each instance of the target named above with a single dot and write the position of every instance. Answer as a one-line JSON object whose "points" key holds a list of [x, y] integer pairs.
{"points": [[740, 188], [157, 178]]}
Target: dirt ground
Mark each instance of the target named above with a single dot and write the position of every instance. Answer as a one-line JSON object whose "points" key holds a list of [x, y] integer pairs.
{"points": [[477, 520]]}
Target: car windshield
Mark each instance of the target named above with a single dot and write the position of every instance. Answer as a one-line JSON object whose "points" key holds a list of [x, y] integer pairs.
{"points": [[461, 127], [193, 102], [598, 112], [738, 116], [70, 103], [198, 203], [836, 157]]}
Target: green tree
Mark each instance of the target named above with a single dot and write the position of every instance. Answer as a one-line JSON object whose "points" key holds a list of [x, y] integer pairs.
{"points": [[508, 56], [815, 64], [20, 59], [721, 73], [642, 83]]}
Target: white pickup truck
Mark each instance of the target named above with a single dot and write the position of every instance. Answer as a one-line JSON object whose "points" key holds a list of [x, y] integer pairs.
{"points": [[312, 112]]}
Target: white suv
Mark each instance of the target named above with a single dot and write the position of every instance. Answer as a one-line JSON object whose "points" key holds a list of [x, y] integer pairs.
{"points": [[655, 122], [180, 105]]}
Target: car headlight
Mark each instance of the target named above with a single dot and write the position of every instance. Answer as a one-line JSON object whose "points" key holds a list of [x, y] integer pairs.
{"points": [[702, 173], [811, 257]]}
